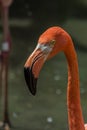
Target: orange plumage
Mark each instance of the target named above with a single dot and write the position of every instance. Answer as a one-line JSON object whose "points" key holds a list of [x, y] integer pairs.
{"points": [[51, 42]]}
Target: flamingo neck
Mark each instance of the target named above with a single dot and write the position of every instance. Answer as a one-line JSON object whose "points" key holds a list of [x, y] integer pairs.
{"points": [[5, 12], [73, 92]]}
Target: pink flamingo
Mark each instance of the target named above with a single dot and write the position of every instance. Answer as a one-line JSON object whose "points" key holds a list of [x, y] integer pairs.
{"points": [[6, 47], [51, 42]]}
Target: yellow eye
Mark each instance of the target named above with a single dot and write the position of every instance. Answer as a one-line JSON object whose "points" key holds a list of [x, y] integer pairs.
{"points": [[52, 43]]}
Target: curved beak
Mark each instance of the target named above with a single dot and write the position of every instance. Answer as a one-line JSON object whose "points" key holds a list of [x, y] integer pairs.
{"points": [[32, 69]]}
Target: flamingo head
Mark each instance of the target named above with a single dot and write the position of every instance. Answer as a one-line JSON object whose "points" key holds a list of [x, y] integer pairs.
{"points": [[52, 41]]}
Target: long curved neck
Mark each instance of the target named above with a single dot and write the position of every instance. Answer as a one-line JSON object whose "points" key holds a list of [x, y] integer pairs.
{"points": [[73, 92]]}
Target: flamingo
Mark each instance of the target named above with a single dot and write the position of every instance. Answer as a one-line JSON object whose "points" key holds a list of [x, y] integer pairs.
{"points": [[6, 47], [51, 42]]}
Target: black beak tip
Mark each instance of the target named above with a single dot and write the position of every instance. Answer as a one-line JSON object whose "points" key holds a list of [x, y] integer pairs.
{"points": [[31, 81]]}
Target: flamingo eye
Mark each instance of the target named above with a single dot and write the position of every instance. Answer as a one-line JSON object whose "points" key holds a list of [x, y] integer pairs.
{"points": [[52, 42]]}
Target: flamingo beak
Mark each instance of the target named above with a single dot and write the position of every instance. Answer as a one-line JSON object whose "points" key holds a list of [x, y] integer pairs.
{"points": [[32, 69]]}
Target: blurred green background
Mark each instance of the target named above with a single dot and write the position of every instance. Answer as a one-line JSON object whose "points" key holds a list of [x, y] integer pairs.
{"points": [[48, 109]]}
